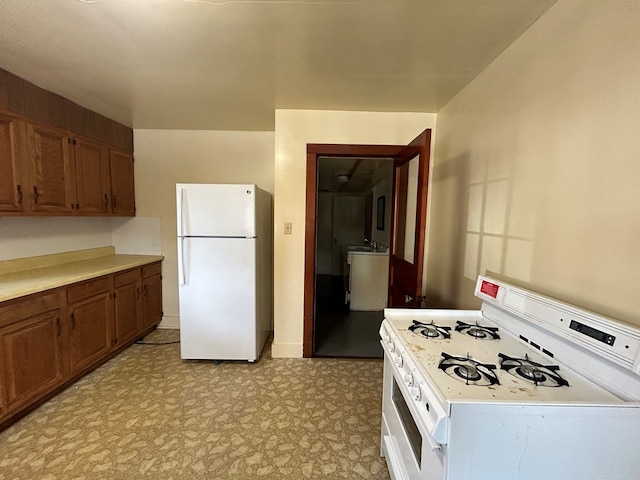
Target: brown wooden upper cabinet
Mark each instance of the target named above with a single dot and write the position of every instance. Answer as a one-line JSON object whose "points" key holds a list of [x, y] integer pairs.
{"points": [[122, 184], [48, 171], [92, 177], [51, 170], [60, 158], [11, 185]]}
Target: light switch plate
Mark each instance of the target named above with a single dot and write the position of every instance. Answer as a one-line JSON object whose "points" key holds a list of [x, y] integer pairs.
{"points": [[288, 226]]}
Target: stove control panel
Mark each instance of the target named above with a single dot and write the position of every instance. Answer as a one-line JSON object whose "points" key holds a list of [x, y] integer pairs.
{"points": [[592, 332]]}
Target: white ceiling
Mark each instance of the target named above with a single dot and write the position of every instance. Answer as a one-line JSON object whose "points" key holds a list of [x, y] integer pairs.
{"points": [[227, 64]]}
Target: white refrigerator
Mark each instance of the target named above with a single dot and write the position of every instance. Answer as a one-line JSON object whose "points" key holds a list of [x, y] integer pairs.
{"points": [[224, 270]]}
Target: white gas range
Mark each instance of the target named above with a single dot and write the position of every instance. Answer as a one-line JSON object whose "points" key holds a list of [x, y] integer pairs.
{"points": [[525, 388]]}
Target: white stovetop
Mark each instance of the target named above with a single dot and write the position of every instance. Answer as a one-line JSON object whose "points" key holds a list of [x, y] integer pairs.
{"points": [[427, 352]]}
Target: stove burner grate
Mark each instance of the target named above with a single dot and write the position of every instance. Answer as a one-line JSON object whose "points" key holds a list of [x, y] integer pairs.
{"points": [[468, 370], [430, 330], [477, 331], [540, 375]]}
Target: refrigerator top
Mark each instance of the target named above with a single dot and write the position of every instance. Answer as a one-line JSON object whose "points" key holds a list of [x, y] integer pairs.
{"points": [[216, 210]]}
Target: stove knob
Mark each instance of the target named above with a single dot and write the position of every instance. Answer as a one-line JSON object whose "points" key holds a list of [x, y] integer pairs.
{"points": [[415, 393], [408, 379], [399, 360]]}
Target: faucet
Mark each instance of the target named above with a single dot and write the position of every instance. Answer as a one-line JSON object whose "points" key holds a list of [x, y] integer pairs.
{"points": [[373, 243]]}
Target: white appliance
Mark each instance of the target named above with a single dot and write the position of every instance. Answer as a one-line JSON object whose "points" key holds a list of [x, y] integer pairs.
{"points": [[526, 388], [224, 270]]}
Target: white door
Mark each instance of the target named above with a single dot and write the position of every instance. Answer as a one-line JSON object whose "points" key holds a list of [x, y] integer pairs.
{"points": [[216, 210], [217, 298]]}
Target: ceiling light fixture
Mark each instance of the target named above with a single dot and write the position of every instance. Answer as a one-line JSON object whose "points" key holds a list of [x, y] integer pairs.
{"points": [[342, 179]]}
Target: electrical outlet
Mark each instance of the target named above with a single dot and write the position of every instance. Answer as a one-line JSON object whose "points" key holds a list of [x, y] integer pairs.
{"points": [[288, 226]]}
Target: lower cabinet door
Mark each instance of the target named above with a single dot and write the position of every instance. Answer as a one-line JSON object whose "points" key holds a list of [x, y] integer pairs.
{"points": [[90, 332], [151, 301], [127, 310], [31, 359]]}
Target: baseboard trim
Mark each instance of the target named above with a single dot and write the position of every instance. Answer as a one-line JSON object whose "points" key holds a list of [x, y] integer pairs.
{"points": [[286, 350], [172, 322]]}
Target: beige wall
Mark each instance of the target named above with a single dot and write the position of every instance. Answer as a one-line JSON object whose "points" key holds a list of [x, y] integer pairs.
{"points": [[31, 236], [536, 172], [294, 130], [167, 157]]}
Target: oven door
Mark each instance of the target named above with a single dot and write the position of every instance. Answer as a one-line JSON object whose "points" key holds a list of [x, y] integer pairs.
{"points": [[409, 449]]}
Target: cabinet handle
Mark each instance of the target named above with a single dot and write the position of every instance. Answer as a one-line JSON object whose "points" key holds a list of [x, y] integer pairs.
{"points": [[106, 201], [58, 328], [19, 188], [113, 202], [144, 291], [35, 194], [73, 321], [138, 292]]}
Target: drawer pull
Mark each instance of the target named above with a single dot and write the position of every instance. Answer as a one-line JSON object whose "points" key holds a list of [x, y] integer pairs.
{"points": [[73, 321], [58, 328]]}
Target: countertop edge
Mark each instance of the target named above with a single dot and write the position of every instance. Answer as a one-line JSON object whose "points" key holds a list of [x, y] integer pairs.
{"points": [[39, 280]]}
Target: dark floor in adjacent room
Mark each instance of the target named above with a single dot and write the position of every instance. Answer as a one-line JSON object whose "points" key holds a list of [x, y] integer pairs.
{"points": [[340, 332]]}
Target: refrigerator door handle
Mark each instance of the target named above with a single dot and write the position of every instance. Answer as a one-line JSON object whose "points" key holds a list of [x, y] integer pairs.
{"points": [[182, 274], [181, 221]]}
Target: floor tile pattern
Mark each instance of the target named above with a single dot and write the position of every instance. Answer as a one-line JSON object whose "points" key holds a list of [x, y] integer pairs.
{"points": [[149, 414]]}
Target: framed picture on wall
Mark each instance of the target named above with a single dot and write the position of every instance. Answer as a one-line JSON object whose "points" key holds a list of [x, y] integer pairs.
{"points": [[380, 213]]}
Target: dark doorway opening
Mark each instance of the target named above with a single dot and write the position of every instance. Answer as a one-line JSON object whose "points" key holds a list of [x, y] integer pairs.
{"points": [[405, 259], [351, 276]]}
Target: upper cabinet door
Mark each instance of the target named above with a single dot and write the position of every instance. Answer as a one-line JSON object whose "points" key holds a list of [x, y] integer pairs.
{"points": [[122, 184], [11, 187], [93, 178], [51, 170]]}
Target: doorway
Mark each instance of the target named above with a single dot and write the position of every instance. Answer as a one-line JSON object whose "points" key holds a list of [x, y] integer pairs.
{"points": [[325, 296], [352, 255]]}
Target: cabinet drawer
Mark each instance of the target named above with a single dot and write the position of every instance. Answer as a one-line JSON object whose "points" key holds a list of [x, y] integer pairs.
{"points": [[88, 289], [124, 278], [13, 311], [150, 270]]}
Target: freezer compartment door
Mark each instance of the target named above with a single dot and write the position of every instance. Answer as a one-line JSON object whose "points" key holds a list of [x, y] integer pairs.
{"points": [[216, 210], [218, 299]]}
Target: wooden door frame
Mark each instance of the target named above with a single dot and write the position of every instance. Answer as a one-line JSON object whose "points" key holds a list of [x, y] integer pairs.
{"points": [[314, 151]]}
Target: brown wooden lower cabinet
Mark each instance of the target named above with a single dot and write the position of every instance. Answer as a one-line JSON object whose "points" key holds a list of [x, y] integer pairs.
{"points": [[128, 316], [31, 350], [151, 297], [49, 340], [90, 330]]}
